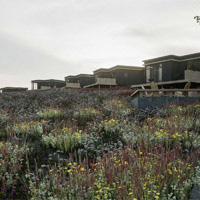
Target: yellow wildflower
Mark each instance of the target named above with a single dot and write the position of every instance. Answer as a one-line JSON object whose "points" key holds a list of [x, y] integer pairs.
{"points": [[82, 169]]}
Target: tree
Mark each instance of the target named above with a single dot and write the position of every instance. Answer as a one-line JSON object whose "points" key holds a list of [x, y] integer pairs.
{"points": [[197, 18]]}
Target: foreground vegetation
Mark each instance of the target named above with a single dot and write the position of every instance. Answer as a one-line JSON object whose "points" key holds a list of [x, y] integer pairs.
{"points": [[94, 145]]}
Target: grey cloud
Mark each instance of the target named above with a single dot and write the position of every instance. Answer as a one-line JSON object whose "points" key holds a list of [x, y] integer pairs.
{"points": [[18, 60], [51, 39]]}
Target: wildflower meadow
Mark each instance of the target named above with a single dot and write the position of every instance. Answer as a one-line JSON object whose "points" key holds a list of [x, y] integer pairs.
{"points": [[92, 144]]}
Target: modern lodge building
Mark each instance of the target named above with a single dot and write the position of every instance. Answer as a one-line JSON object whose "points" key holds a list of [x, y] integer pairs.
{"points": [[79, 81], [119, 75], [47, 84], [172, 71], [13, 89], [169, 71]]}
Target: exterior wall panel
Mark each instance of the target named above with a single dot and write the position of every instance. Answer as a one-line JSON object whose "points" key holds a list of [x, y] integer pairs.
{"points": [[130, 77], [84, 81]]}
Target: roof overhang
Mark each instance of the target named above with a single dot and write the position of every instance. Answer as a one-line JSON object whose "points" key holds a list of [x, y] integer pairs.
{"points": [[172, 58], [118, 67], [48, 81], [79, 76]]}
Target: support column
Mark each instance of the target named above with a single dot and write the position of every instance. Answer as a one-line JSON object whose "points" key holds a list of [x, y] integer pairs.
{"points": [[32, 85]]}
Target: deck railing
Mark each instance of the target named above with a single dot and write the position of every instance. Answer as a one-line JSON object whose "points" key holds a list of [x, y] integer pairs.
{"points": [[73, 85], [106, 81]]}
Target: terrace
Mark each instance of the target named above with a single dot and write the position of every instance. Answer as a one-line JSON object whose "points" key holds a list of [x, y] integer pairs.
{"points": [[190, 76]]}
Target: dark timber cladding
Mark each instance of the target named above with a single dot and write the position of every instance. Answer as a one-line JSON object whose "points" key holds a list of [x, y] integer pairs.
{"points": [[47, 84], [119, 75], [13, 89], [81, 80], [171, 67]]}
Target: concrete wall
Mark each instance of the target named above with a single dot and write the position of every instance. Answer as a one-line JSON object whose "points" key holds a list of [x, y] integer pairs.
{"points": [[72, 85], [155, 102], [45, 87], [106, 81], [192, 75]]}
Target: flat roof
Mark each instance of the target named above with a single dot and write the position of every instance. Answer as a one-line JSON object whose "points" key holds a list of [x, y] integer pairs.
{"points": [[119, 67], [47, 81], [79, 75], [13, 88], [174, 58]]}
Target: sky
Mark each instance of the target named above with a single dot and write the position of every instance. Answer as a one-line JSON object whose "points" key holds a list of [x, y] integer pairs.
{"points": [[51, 39]]}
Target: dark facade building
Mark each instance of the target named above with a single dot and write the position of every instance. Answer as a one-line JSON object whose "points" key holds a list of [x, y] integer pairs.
{"points": [[47, 84], [119, 75], [172, 68], [12, 89], [79, 81]]}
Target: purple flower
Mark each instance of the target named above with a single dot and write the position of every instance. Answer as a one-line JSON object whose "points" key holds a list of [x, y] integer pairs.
{"points": [[13, 191]]}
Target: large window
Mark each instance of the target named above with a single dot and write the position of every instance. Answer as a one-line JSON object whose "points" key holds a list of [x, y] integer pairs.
{"points": [[126, 74]]}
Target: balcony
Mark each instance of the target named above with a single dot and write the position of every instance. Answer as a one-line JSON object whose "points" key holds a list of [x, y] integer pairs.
{"points": [[45, 87], [73, 85], [106, 81]]}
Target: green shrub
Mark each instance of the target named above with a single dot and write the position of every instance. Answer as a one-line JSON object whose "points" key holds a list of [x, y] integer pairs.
{"points": [[33, 128], [65, 139], [49, 113]]}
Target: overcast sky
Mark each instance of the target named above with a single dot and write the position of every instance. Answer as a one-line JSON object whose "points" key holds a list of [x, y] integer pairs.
{"points": [[42, 39]]}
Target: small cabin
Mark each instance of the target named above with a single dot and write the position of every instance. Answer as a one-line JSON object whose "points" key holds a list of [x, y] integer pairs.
{"points": [[13, 89], [47, 84], [119, 75], [79, 81]]}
